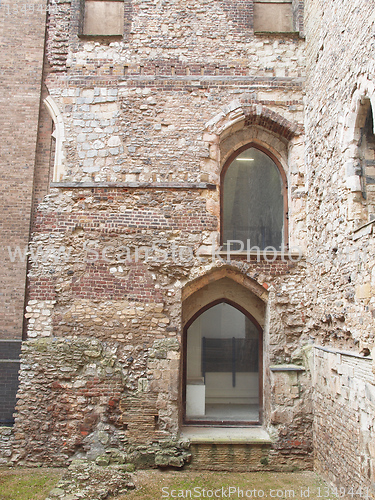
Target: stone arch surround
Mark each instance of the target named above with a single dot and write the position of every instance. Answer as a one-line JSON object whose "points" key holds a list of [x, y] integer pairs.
{"points": [[363, 97], [59, 136], [240, 123], [224, 283]]}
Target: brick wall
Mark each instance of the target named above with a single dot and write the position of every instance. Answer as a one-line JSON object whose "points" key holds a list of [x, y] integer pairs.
{"points": [[22, 39], [340, 76], [144, 119]]}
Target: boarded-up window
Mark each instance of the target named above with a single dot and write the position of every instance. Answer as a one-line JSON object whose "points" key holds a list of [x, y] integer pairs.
{"points": [[103, 17], [275, 16]]}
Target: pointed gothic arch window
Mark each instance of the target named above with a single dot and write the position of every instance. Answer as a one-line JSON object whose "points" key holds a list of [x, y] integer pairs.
{"points": [[223, 366], [254, 202]]}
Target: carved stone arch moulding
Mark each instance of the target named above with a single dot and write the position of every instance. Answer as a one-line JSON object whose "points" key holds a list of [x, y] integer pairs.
{"points": [[59, 135], [354, 118], [240, 123], [221, 285], [253, 114], [224, 282], [362, 98]]}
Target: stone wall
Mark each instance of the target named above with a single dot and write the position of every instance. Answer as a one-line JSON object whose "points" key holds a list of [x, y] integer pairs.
{"points": [[340, 80], [133, 222], [129, 231], [340, 254], [87, 397], [6, 445], [344, 399]]}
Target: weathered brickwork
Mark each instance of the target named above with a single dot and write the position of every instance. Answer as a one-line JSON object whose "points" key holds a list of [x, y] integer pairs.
{"points": [[22, 32], [130, 229], [125, 250], [246, 458]]}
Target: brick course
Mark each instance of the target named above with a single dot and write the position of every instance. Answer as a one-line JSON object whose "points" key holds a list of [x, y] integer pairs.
{"points": [[23, 39], [149, 121], [135, 115]]}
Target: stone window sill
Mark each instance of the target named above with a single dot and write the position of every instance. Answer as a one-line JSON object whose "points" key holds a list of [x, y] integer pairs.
{"points": [[264, 256], [287, 368], [225, 435]]}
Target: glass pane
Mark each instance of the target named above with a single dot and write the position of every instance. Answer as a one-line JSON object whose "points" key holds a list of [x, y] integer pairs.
{"points": [[253, 201], [222, 367]]}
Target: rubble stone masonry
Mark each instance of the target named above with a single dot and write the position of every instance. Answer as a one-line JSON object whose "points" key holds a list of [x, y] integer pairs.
{"points": [[339, 88], [133, 218], [125, 249]]}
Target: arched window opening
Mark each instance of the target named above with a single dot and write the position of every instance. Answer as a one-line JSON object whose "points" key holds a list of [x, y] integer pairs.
{"points": [[253, 211], [367, 149], [223, 367], [57, 139]]}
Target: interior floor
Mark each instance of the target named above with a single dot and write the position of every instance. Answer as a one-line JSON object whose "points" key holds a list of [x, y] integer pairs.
{"points": [[232, 412]]}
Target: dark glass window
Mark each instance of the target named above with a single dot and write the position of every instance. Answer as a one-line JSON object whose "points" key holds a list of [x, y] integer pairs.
{"points": [[253, 202]]}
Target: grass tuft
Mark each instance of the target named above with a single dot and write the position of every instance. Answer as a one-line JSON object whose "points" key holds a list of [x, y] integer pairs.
{"points": [[28, 484]]}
